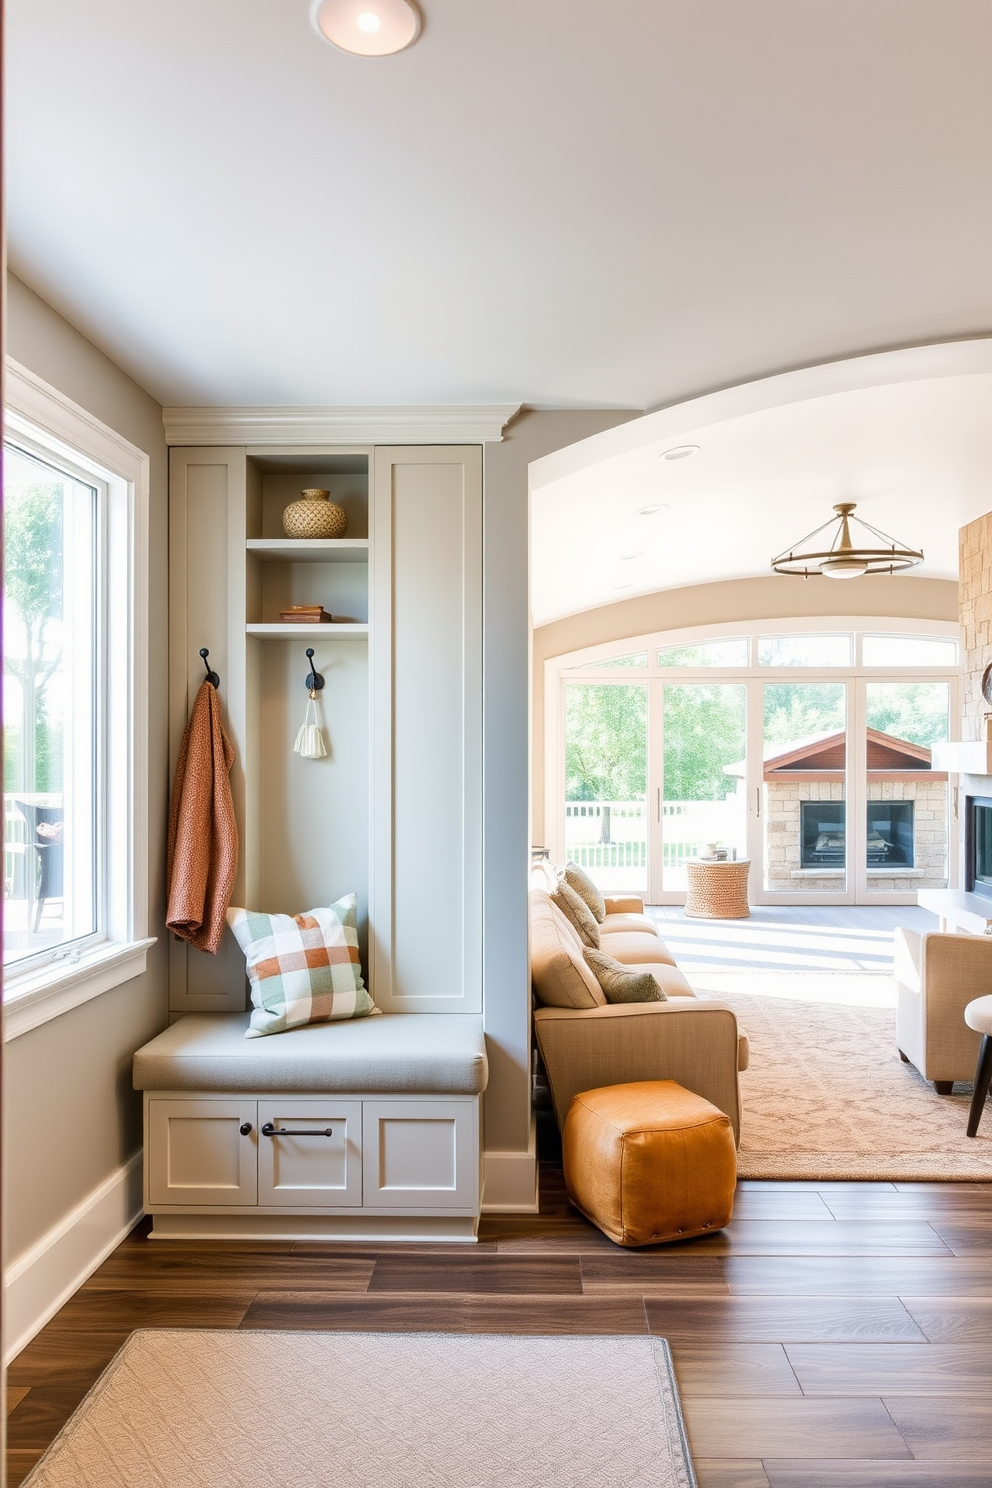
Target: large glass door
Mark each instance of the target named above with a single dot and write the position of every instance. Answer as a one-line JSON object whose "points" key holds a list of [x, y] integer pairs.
{"points": [[606, 819], [703, 795], [905, 805], [802, 797], [809, 752]]}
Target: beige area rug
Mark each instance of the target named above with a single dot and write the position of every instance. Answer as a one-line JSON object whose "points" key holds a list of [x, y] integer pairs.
{"points": [[827, 1096], [193, 1408]]}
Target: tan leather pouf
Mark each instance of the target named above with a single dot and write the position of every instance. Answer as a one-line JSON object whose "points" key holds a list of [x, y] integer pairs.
{"points": [[649, 1162]]}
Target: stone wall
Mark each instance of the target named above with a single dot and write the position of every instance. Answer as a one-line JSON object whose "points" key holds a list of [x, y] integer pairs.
{"points": [[975, 594], [782, 835]]}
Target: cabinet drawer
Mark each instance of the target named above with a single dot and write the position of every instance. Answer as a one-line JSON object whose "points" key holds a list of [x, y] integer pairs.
{"points": [[197, 1153], [299, 1165], [420, 1154]]}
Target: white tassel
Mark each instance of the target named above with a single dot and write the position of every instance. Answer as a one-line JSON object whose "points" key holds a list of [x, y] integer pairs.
{"points": [[310, 740]]}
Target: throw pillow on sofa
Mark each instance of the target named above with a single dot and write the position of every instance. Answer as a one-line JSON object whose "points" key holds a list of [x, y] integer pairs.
{"points": [[577, 910], [622, 983], [578, 879], [303, 968]]}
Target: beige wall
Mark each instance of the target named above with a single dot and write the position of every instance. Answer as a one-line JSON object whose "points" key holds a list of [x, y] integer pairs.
{"points": [[71, 1118], [506, 830], [775, 597]]}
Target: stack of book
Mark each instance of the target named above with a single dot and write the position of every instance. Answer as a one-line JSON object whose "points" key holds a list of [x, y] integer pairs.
{"points": [[306, 615]]}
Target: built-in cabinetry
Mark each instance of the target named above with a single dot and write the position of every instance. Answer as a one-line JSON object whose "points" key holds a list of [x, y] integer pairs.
{"points": [[298, 1165], [394, 810]]}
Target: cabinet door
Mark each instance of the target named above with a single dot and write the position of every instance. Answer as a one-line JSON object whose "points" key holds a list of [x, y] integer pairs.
{"points": [[207, 500], [426, 640], [420, 1154], [314, 1154], [198, 1154]]}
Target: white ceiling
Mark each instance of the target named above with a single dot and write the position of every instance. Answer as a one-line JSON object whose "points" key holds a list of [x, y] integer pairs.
{"points": [[915, 456], [544, 201]]}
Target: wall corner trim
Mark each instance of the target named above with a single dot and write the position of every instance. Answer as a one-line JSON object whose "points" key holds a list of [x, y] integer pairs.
{"points": [[273, 425], [41, 1280], [510, 1181]]}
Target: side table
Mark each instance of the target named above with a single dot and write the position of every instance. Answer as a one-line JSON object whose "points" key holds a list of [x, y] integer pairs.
{"points": [[717, 890]]}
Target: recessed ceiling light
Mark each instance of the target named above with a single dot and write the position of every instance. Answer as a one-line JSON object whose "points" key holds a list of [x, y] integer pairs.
{"points": [[626, 557], [680, 452], [651, 511], [618, 587], [374, 29]]}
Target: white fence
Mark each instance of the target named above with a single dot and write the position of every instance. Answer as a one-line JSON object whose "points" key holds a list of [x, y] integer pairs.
{"points": [[687, 826]]}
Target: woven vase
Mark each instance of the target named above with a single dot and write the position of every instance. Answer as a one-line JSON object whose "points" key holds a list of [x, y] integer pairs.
{"points": [[314, 516]]}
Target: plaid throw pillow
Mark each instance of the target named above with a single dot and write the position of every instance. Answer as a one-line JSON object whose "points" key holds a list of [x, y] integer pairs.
{"points": [[303, 968]]}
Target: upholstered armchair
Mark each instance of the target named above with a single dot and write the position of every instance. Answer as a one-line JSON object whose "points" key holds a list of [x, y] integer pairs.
{"points": [[937, 975]]}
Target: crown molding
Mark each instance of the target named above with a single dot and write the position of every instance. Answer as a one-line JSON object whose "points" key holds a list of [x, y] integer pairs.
{"points": [[474, 424]]}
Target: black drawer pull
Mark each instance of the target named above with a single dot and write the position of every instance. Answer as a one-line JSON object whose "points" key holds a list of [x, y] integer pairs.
{"points": [[268, 1130]]}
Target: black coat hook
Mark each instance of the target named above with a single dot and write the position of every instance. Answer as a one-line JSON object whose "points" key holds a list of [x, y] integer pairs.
{"points": [[212, 677], [314, 680]]}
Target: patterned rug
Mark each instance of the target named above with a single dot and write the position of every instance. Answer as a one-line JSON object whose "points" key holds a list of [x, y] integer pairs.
{"points": [[827, 1096], [193, 1408]]}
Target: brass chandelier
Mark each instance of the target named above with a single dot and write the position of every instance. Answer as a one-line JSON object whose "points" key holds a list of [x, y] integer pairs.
{"points": [[840, 558]]}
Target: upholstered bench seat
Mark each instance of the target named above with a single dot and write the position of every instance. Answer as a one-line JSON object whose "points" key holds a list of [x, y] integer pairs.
{"points": [[393, 1054]]}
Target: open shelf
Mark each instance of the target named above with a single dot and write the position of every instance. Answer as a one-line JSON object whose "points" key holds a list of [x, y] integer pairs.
{"points": [[310, 549], [336, 631]]}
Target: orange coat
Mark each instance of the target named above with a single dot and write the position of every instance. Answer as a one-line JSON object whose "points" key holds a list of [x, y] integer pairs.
{"points": [[203, 835]]}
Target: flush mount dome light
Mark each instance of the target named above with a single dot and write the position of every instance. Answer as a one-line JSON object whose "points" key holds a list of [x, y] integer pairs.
{"points": [[842, 559], [368, 28]]}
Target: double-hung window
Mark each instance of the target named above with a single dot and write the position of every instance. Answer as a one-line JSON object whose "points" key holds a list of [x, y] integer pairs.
{"points": [[74, 705]]}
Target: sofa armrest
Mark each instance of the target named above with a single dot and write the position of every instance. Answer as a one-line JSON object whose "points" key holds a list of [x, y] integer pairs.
{"points": [[623, 904], [697, 1044]]}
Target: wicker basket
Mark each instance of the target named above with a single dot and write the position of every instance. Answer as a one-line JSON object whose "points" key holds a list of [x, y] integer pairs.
{"points": [[717, 891]]}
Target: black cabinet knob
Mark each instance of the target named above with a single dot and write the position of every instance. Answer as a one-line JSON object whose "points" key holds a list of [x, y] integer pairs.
{"points": [[245, 1128]]}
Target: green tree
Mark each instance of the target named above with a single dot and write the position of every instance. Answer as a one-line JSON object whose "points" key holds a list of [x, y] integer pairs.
{"points": [[705, 730], [606, 745], [33, 585]]}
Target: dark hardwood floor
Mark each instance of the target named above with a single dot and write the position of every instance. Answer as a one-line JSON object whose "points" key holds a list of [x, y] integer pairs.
{"points": [[836, 1334]]}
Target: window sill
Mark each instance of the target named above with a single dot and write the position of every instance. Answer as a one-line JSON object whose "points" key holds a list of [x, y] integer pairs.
{"points": [[61, 986]]}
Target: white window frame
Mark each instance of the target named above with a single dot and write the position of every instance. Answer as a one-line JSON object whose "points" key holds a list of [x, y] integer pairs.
{"points": [[49, 423], [579, 667]]}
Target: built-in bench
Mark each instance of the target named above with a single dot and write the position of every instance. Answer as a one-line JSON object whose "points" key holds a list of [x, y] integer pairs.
{"points": [[367, 1129]]}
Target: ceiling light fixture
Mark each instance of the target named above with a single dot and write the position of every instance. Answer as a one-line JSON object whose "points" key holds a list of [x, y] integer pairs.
{"points": [[652, 511], [680, 452], [841, 559], [627, 557], [367, 28]]}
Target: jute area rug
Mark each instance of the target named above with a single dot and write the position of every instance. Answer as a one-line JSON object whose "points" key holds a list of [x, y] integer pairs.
{"points": [[192, 1408], [827, 1096]]}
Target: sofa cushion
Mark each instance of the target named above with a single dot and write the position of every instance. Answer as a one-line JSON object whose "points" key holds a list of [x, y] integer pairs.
{"points": [[560, 976], [578, 879], [639, 922], [634, 947], [394, 1054], [577, 910], [623, 983]]}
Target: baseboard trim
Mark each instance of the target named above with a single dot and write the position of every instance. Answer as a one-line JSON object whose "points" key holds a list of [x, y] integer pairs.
{"points": [[41, 1280], [511, 1181], [373, 1228]]}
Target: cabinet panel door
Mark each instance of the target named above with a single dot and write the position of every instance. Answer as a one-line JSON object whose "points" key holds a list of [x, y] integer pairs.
{"points": [[309, 1169], [420, 1154], [197, 1154], [207, 498], [426, 640]]}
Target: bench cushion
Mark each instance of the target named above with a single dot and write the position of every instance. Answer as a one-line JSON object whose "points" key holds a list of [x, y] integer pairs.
{"points": [[395, 1054]]}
